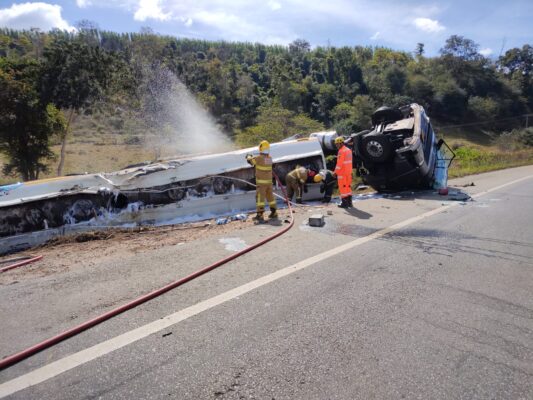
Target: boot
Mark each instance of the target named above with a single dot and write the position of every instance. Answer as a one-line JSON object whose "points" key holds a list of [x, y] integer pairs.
{"points": [[344, 203], [259, 217], [273, 213], [349, 202]]}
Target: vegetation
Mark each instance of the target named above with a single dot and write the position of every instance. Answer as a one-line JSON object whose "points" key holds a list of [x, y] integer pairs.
{"points": [[100, 84], [26, 123]]}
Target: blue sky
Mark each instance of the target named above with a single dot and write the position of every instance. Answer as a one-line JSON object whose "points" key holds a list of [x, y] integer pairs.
{"points": [[397, 24]]}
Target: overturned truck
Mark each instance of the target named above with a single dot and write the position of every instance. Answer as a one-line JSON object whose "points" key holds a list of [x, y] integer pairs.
{"points": [[163, 192], [399, 152]]}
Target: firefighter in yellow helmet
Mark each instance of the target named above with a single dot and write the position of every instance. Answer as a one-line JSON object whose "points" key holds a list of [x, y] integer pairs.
{"points": [[263, 180]]}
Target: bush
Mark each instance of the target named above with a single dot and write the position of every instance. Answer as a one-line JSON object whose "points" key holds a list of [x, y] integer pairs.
{"points": [[117, 123], [526, 136], [516, 139], [482, 108], [133, 140], [469, 154]]}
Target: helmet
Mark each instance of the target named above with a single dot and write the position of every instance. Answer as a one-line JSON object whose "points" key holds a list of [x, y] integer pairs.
{"points": [[317, 178], [339, 139], [264, 145]]}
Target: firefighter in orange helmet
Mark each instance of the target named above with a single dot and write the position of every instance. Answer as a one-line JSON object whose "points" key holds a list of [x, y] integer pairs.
{"points": [[263, 180], [343, 172]]}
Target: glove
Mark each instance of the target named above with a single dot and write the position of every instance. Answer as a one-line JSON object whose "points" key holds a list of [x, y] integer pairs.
{"points": [[305, 188], [249, 158]]}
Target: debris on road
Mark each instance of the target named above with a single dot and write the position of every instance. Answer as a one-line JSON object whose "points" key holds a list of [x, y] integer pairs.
{"points": [[459, 196], [239, 217], [316, 220]]}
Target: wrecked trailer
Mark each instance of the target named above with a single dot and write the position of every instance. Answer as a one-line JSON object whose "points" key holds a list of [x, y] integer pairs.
{"points": [[168, 191], [400, 151]]}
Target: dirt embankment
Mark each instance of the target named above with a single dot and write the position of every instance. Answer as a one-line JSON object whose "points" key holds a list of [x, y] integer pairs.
{"points": [[64, 253]]}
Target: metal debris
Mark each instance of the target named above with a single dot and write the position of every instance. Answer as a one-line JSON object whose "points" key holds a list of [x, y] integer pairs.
{"points": [[316, 220]]}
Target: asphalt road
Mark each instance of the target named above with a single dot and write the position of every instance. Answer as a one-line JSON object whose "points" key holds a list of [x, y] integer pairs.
{"points": [[410, 296]]}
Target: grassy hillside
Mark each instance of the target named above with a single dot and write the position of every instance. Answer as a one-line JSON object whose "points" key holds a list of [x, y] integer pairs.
{"points": [[481, 151]]}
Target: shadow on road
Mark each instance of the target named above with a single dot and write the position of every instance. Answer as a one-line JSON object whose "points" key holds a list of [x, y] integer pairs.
{"points": [[354, 212]]}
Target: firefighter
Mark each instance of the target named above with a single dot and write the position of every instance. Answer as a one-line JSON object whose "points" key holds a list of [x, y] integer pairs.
{"points": [[343, 173], [296, 182], [328, 184], [263, 180]]}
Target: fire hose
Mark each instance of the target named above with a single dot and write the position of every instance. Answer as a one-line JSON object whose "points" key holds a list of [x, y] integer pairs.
{"points": [[17, 357], [27, 260]]}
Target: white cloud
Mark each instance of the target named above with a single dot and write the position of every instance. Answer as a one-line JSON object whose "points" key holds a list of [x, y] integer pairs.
{"points": [[486, 52], [34, 15], [83, 3], [150, 9], [342, 21], [274, 5], [428, 25]]}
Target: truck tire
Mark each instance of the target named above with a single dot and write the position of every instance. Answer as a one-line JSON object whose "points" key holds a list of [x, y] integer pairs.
{"points": [[386, 115], [377, 148]]}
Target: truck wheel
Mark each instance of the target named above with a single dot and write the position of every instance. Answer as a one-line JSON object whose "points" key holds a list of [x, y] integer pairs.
{"points": [[176, 194], [386, 115], [377, 148], [221, 185]]}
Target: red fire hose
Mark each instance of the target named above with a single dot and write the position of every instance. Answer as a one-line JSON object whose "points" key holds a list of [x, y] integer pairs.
{"points": [[15, 358], [20, 264]]}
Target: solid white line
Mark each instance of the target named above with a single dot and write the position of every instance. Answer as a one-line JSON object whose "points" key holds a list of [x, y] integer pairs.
{"points": [[74, 360]]}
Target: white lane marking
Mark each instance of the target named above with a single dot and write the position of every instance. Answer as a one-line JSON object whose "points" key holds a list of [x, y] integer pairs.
{"points": [[55, 368]]}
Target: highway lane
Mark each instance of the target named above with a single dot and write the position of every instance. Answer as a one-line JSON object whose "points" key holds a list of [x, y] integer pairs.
{"points": [[441, 308]]}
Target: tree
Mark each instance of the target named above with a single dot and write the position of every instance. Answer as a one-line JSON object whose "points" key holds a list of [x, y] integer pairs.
{"points": [[354, 117], [517, 64], [299, 46], [421, 90], [274, 124], [73, 74], [482, 108], [462, 48], [26, 124], [419, 50]]}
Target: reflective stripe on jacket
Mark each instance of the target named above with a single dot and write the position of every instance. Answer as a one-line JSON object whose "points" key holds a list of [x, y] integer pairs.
{"points": [[344, 162], [299, 174], [263, 169]]}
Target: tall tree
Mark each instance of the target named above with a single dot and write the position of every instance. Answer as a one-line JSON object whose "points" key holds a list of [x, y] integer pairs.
{"points": [[462, 48], [26, 123], [74, 73], [419, 50], [517, 64]]}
